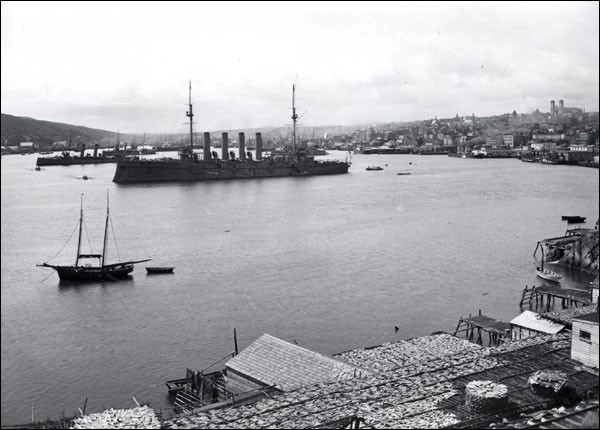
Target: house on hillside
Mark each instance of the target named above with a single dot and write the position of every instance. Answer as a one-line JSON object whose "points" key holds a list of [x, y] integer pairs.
{"points": [[27, 146]]}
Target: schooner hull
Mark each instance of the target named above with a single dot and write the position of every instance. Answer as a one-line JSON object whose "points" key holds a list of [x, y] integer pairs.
{"points": [[72, 273]]}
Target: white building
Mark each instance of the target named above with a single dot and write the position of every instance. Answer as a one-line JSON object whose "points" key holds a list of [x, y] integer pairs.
{"points": [[543, 146], [530, 324], [584, 339], [509, 140]]}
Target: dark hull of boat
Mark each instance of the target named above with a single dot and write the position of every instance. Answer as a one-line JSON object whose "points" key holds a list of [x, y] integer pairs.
{"points": [[136, 171], [156, 270], [69, 161], [72, 273]]}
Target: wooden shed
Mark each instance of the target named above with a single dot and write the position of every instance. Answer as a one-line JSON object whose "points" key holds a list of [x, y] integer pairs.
{"points": [[530, 324], [584, 339], [269, 362]]}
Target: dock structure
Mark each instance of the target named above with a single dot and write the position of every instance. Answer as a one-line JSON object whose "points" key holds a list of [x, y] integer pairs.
{"points": [[427, 390], [498, 331], [569, 297]]}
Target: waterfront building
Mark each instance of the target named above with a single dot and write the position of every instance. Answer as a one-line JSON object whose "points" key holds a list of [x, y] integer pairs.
{"points": [[543, 146], [584, 339], [544, 137], [272, 362], [530, 324], [508, 140]]}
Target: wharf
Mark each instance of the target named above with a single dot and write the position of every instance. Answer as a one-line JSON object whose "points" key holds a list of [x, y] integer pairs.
{"points": [[569, 297], [498, 331], [424, 392]]}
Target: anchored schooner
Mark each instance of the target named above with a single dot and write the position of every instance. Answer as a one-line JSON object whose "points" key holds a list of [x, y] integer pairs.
{"points": [[100, 271]]}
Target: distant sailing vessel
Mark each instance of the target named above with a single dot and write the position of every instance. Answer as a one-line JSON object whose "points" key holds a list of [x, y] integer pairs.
{"points": [[89, 272], [189, 167]]}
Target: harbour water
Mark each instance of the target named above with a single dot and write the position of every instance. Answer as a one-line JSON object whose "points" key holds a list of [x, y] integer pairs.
{"points": [[332, 262]]}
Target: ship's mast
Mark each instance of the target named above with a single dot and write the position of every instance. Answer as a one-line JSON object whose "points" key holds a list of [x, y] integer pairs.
{"points": [[294, 117], [80, 228], [105, 231], [190, 115]]}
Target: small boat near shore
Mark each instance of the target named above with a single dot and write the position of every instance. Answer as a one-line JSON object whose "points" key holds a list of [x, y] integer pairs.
{"points": [[548, 275], [157, 270], [403, 173], [574, 219], [374, 168]]}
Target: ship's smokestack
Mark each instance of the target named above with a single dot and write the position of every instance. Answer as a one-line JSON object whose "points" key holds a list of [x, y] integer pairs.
{"points": [[82, 149], [207, 146], [224, 147], [258, 146], [242, 146], [95, 150]]}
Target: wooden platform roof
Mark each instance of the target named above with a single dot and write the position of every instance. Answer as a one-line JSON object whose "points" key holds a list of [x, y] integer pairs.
{"points": [[534, 321], [276, 362]]}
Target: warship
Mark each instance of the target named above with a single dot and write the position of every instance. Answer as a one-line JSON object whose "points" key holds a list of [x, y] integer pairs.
{"points": [[192, 166], [66, 159]]}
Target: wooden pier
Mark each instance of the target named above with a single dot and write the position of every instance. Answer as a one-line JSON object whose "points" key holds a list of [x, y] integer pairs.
{"points": [[498, 331], [569, 297]]}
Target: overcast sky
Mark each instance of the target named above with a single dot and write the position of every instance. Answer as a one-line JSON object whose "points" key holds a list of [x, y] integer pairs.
{"points": [[125, 66]]}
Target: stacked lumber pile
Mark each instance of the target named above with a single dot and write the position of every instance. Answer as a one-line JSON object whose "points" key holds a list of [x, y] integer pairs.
{"points": [[142, 417], [486, 396]]}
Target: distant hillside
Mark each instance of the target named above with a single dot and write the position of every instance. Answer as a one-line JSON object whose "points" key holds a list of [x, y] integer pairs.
{"points": [[17, 129]]}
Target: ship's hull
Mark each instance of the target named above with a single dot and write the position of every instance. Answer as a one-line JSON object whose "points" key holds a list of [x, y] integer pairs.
{"points": [[83, 273], [134, 171], [68, 161]]}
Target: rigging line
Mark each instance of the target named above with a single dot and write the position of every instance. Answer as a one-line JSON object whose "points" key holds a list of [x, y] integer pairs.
{"points": [[112, 227], [88, 237], [130, 235], [50, 274], [68, 240]]}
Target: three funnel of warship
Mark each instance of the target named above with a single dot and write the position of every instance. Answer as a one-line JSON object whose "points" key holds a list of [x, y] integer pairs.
{"points": [[207, 166]]}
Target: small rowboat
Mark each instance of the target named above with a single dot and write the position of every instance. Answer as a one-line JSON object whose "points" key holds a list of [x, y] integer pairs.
{"points": [[549, 275], [156, 270], [403, 173]]}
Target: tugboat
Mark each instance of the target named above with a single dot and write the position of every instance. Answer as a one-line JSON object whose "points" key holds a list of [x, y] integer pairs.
{"points": [[87, 272], [190, 167]]}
